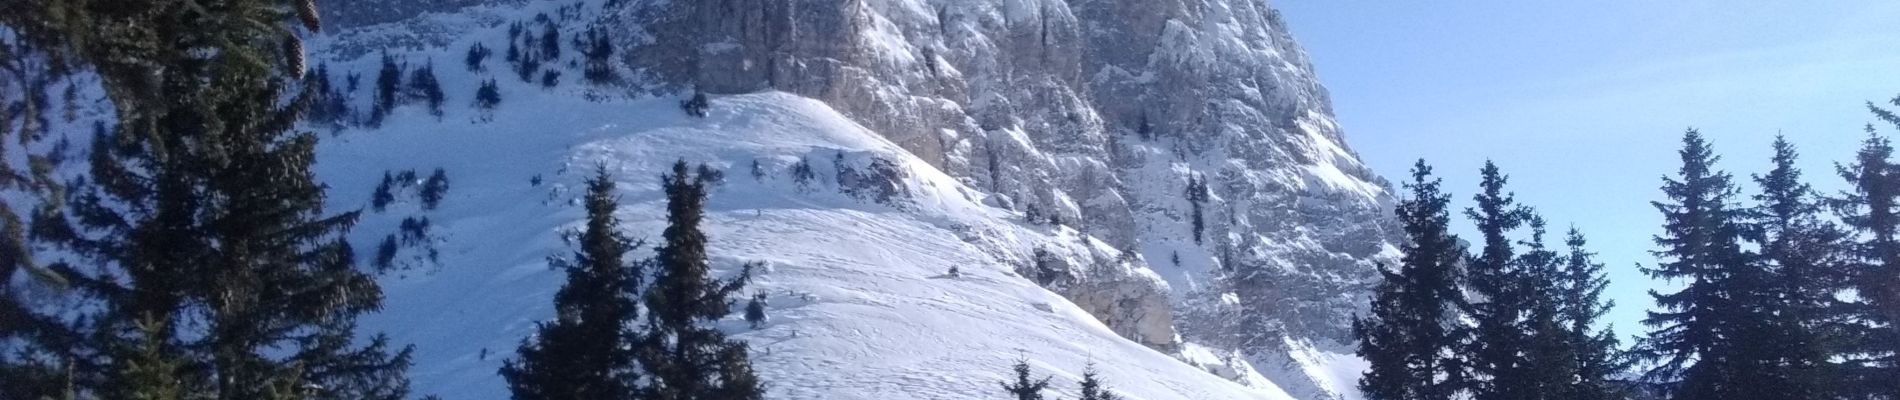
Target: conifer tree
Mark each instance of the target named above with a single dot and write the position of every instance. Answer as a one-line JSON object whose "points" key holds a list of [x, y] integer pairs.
{"points": [[1871, 209], [1501, 297], [1410, 335], [423, 86], [685, 358], [1092, 387], [209, 252], [1598, 354], [1805, 252], [1547, 370], [586, 351], [1196, 196], [1025, 387], [388, 86], [1705, 338]]}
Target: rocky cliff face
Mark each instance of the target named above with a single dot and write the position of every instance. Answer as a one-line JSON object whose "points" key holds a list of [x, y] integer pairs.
{"points": [[1193, 133], [1099, 112]]}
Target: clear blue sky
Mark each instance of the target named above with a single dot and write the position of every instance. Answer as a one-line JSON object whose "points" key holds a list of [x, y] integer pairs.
{"points": [[1584, 103]]}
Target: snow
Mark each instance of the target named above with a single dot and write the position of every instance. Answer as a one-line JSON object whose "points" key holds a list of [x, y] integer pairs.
{"points": [[860, 306]]}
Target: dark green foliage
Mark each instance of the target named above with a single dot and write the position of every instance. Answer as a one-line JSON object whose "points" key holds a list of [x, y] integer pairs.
{"points": [[685, 358], [1502, 295], [1707, 339], [1871, 209], [1805, 253], [598, 50], [1092, 387], [433, 189], [385, 193], [1025, 387], [551, 42], [698, 105], [1598, 356], [1411, 328], [477, 56], [487, 96], [587, 351], [216, 272], [755, 310], [1197, 195], [424, 87], [328, 105], [386, 253], [415, 230], [388, 84], [513, 55], [803, 176], [550, 78]]}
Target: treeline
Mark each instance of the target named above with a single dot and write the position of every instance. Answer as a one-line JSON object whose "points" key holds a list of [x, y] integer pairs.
{"points": [[1785, 292], [195, 258]]}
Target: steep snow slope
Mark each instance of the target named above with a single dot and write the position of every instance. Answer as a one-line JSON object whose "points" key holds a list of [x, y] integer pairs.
{"points": [[1099, 112], [860, 305]]}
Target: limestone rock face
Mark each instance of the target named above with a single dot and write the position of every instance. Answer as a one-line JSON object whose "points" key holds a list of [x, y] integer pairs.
{"points": [[1098, 112]]}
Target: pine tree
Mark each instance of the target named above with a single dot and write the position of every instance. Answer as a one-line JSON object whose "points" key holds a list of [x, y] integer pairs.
{"points": [[477, 55], [1705, 338], [1197, 195], [1598, 356], [423, 86], [1092, 388], [388, 84], [487, 96], [685, 358], [1871, 208], [1410, 334], [551, 42], [1804, 251], [206, 242], [1547, 352], [1500, 296], [434, 189], [1026, 387], [586, 351]]}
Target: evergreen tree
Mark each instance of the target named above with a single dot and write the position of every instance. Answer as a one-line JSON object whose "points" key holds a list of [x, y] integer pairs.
{"points": [[1546, 350], [1705, 338], [1197, 195], [1869, 208], [551, 42], [599, 52], [1410, 335], [755, 310], [477, 55], [217, 272], [1092, 388], [586, 351], [1026, 387], [487, 96], [1804, 251], [433, 189], [423, 86], [685, 358], [1598, 355], [388, 84], [697, 106], [1501, 296]]}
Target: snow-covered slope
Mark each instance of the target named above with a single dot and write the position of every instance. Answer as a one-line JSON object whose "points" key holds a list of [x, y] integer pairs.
{"points": [[1097, 112], [861, 305]]}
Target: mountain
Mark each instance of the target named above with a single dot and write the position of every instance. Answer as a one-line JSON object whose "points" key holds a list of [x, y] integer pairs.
{"points": [[1061, 154]]}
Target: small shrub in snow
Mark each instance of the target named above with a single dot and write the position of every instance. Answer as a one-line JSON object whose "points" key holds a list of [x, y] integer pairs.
{"points": [[802, 175], [711, 176], [415, 230], [698, 106], [550, 78], [755, 311], [758, 171]]}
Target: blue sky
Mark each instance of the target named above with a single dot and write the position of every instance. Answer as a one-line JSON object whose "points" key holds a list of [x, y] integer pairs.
{"points": [[1584, 103]]}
